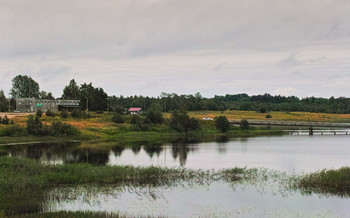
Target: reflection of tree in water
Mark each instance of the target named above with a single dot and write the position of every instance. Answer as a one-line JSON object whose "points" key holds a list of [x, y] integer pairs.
{"points": [[44, 151], [93, 156], [222, 140], [180, 150], [118, 150], [151, 150], [136, 149]]}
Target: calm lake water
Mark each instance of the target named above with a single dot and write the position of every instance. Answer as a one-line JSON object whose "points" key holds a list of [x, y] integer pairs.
{"points": [[285, 153], [291, 154], [218, 199]]}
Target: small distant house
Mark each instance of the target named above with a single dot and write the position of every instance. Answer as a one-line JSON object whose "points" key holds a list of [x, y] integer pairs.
{"points": [[135, 111]]}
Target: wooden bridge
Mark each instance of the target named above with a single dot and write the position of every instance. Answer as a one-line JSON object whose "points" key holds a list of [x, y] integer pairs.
{"points": [[318, 132], [293, 123], [336, 128]]}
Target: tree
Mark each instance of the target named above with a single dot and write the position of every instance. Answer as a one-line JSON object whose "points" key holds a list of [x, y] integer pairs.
{"points": [[118, 118], [24, 87], [244, 124], [4, 103], [181, 122], [154, 115], [222, 124], [71, 91], [45, 95], [34, 125], [39, 113], [93, 98]]}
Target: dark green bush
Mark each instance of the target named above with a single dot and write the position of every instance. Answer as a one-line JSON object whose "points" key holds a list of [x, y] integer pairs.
{"points": [[59, 128], [118, 118], [155, 117], [268, 116], [5, 120], [34, 125], [50, 113], [12, 130], [77, 113], [222, 124], [39, 113], [135, 119], [181, 122], [244, 124], [64, 114]]}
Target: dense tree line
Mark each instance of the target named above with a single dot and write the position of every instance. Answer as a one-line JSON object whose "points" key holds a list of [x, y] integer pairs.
{"points": [[261, 103], [94, 99], [97, 100]]}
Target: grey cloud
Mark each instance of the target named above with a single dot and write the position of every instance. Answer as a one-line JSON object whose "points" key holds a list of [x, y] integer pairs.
{"points": [[145, 47]]}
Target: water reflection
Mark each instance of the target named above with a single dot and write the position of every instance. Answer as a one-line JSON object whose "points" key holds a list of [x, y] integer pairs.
{"points": [[285, 153], [217, 199]]}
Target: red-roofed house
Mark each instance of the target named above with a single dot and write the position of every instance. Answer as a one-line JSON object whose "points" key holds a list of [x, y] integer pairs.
{"points": [[135, 110]]}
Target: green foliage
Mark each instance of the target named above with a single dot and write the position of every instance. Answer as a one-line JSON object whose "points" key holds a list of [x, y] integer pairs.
{"points": [[71, 91], [45, 95], [39, 113], [58, 128], [77, 113], [222, 124], [118, 109], [141, 124], [154, 116], [4, 103], [118, 118], [244, 124], [49, 113], [268, 116], [327, 181], [24, 87], [64, 113], [34, 125], [5, 120], [181, 122], [135, 119], [94, 98], [12, 130], [261, 103]]}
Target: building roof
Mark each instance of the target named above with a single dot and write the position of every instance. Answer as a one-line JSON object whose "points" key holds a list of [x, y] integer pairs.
{"points": [[135, 109]]}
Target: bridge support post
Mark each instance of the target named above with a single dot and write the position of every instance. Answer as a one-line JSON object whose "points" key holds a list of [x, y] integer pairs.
{"points": [[311, 131]]}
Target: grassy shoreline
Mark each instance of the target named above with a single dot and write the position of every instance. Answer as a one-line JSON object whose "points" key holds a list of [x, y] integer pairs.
{"points": [[23, 182], [128, 137]]}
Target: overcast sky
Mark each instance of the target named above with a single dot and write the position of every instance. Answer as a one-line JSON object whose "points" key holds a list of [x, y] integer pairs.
{"points": [[145, 47]]}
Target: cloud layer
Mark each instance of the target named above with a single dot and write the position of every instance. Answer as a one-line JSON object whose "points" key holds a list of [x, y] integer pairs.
{"points": [[145, 47]]}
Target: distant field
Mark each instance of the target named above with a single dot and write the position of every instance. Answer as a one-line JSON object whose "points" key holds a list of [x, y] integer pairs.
{"points": [[101, 121], [286, 116]]}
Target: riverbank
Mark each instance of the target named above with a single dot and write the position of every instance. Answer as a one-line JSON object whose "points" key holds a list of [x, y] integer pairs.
{"points": [[98, 127]]}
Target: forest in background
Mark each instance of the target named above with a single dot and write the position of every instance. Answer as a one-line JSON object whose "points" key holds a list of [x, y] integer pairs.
{"points": [[98, 100]]}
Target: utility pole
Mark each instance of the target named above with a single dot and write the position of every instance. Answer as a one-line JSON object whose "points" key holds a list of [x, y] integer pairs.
{"points": [[87, 104]]}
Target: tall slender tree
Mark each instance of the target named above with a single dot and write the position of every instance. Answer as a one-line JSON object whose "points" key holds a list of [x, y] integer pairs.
{"points": [[71, 91], [4, 103]]}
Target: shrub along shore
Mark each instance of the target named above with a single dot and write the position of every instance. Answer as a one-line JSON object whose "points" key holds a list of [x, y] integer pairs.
{"points": [[119, 127]]}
